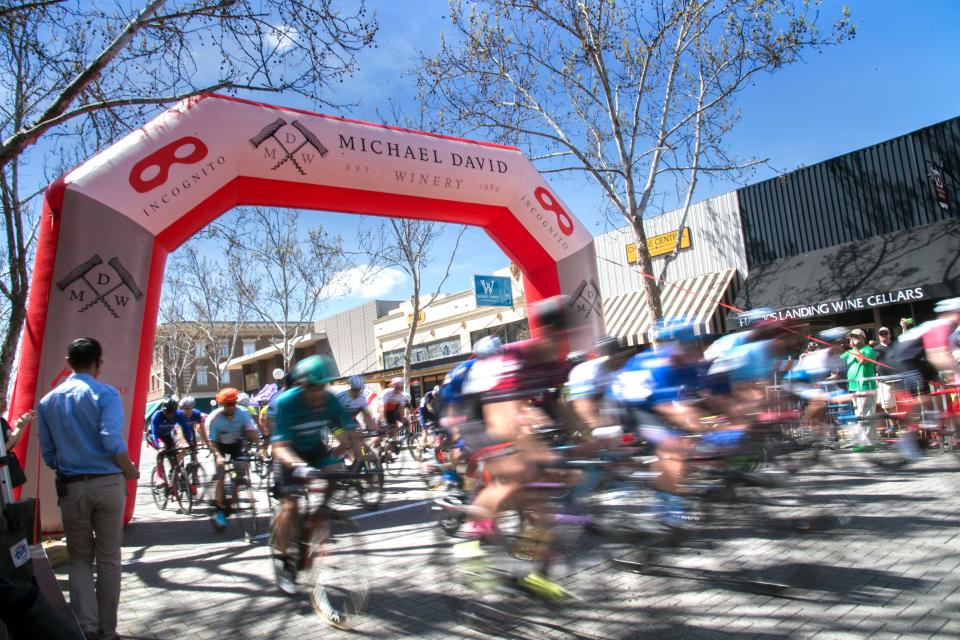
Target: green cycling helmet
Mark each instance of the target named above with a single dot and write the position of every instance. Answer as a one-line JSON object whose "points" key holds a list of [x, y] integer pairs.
{"points": [[313, 370]]}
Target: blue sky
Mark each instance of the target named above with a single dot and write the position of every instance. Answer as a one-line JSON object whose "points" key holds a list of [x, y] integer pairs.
{"points": [[899, 74]]}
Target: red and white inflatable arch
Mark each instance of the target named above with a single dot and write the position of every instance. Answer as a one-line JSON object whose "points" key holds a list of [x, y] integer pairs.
{"points": [[108, 226]]}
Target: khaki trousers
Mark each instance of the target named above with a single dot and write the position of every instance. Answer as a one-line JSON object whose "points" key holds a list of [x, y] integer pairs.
{"points": [[92, 514]]}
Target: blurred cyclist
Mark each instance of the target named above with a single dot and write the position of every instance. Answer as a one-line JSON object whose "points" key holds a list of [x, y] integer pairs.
{"points": [[517, 391], [660, 388], [308, 415]]}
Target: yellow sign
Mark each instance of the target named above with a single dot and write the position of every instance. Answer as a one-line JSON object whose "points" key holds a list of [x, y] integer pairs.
{"points": [[421, 316], [659, 245]]}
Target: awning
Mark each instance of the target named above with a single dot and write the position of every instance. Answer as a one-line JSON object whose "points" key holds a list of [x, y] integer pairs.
{"points": [[696, 299], [916, 264]]}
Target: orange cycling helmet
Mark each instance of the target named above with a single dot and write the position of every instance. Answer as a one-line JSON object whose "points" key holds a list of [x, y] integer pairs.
{"points": [[227, 394]]}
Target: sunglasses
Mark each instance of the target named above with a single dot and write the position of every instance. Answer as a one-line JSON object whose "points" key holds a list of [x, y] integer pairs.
{"points": [[229, 404]]}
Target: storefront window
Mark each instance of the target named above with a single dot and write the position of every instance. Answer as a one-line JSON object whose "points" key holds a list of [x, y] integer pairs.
{"points": [[511, 332], [423, 352]]}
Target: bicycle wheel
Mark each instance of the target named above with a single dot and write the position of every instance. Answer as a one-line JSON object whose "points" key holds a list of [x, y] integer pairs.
{"points": [[341, 589], [415, 443], [199, 482], [245, 507], [158, 488], [182, 489], [369, 489], [392, 459]]}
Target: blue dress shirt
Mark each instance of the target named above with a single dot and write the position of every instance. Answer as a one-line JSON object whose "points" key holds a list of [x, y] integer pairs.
{"points": [[81, 427]]}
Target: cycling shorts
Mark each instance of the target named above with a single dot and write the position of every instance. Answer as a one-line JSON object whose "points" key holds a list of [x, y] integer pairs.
{"points": [[233, 449], [283, 475], [169, 444]]}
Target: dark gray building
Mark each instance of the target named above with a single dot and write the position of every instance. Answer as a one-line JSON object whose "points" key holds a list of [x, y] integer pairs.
{"points": [[860, 240]]}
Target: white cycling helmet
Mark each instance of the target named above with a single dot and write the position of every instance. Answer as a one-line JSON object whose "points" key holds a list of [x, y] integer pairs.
{"points": [[243, 399], [488, 346], [278, 374], [187, 401], [356, 382], [950, 305]]}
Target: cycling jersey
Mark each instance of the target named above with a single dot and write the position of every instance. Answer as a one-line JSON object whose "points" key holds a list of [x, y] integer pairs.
{"points": [[307, 429], [514, 374], [393, 403], [588, 379], [162, 426], [195, 418], [224, 429], [353, 406], [451, 392], [653, 377]]}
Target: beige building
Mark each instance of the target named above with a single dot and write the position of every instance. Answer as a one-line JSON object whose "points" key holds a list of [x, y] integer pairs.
{"points": [[446, 333]]}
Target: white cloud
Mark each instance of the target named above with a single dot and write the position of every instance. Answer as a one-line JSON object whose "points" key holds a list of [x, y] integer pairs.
{"points": [[281, 37], [364, 283]]}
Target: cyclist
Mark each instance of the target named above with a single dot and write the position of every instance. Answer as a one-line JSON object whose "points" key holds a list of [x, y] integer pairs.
{"points": [[194, 418], [516, 391], [163, 429], [394, 404], [658, 388], [227, 428], [247, 405], [355, 403], [461, 415], [307, 416]]}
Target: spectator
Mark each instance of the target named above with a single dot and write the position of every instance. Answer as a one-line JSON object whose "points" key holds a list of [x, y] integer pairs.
{"points": [[11, 436], [81, 439], [905, 325], [884, 389], [859, 361]]}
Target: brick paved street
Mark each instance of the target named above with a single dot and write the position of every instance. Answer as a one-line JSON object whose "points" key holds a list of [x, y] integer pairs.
{"points": [[893, 570]]}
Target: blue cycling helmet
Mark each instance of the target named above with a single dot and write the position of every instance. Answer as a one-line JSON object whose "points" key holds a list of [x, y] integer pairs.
{"points": [[674, 330], [356, 382]]}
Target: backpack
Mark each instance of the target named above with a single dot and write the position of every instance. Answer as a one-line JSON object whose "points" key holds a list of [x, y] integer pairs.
{"points": [[908, 355]]}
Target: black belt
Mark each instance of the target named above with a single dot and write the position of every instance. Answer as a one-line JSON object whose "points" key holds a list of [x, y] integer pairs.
{"points": [[89, 476]]}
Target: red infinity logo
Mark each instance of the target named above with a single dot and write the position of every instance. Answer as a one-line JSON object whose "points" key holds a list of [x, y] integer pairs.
{"points": [[164, 158], [564, 221]]}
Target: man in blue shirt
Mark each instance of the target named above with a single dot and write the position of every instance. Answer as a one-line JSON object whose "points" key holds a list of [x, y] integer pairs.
{"points": [[81, 438]]}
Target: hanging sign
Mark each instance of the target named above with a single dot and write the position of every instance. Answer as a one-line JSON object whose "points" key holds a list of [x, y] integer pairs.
{"points": [[660, 245]]}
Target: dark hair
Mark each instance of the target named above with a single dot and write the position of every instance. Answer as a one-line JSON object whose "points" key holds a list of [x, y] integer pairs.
{"points": [[83, 353]]}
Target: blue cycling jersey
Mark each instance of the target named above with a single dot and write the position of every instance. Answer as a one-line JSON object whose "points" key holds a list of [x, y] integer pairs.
{"points": [[162, 425], [654, 377], [452, 390]]}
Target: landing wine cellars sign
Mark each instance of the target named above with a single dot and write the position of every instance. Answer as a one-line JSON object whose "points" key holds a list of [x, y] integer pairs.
{"points": [[856, 303]]}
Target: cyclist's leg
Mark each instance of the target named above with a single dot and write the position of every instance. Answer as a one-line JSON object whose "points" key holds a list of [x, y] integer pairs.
{"points": [[168, 452], [283, 522]]}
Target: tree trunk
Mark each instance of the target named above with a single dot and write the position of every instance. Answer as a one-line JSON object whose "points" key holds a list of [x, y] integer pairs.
{"points": [[8, 351], [645, 264]]}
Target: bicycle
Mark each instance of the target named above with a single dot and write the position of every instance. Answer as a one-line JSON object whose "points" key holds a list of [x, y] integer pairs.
{"points": [[367, 479], [185, 484], [330, 546], [240, 498]]}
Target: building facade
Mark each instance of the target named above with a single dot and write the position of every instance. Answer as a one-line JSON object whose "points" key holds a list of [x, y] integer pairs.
{"points": [[186, 362], [447, 330], [695, 281], [861, 240]]}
